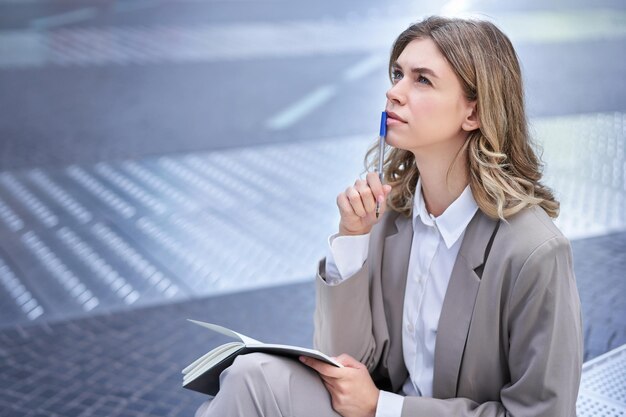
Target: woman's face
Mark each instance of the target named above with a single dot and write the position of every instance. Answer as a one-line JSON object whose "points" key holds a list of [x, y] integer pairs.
{"points": [[427, 95]]}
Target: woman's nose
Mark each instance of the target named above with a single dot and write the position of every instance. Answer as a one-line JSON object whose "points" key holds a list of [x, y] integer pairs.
{"points": [[395, 95]]}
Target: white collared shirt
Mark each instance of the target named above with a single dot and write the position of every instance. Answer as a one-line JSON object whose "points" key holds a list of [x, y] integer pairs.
{"points": [[435, 246]]}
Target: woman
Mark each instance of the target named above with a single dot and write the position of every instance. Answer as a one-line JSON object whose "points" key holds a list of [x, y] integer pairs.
{"points": [[460, 300]]}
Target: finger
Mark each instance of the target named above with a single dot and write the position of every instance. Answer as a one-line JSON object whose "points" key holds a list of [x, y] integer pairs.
{"points": [[367, 196], [382, 201], [373, 181], [332, 390], [329, 382], [365, 193], [349, 361], [355, 201], [321, 367], [345, 208], [325, 371]]}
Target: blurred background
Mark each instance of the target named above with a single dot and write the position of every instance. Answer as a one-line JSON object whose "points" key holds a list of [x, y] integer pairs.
{"points": [[171, 159]]}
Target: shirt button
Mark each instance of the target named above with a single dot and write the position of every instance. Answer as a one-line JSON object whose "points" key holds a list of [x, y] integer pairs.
{"points": [[409, 328]]}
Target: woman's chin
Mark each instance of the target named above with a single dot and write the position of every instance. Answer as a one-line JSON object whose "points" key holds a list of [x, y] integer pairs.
{"points": [[396, 143]]}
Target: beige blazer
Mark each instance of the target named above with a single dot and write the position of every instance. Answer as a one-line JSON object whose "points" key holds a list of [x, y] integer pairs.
{"points": [[509, 340]]}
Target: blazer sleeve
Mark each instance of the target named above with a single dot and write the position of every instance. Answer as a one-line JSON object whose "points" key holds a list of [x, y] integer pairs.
{"points": [[545, 344], [343, 317]]}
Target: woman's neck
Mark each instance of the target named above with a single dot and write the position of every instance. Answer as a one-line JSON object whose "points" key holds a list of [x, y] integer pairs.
{"points": [[439, 189]]}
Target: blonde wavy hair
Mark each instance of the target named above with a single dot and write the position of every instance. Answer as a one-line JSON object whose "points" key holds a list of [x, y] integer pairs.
{"points": [[504, 171]]}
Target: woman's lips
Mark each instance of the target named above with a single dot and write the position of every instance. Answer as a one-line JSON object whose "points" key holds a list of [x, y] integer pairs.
{"points": [[392, 121]]}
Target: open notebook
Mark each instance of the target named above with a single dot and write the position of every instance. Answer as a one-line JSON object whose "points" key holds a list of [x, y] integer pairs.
{"points": [[203, 374]]}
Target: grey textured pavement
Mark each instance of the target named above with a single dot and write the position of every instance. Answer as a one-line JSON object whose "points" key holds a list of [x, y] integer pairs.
{"points": [[129, 363], [600, 268]]}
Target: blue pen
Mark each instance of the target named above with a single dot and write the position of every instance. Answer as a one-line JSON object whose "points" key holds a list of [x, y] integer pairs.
{"points": [[381, 153]]}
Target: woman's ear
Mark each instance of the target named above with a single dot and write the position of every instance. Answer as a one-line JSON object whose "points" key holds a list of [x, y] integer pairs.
{"points": [[471, 121]]}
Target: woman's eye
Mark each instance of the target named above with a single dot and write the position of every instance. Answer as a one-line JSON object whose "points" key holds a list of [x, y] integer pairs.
{"points": [[397, 75], [424, 80]]}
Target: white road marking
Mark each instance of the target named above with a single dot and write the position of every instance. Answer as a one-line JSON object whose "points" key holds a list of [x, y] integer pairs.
{"points": [[301, 108], [243, 41], [372, 63], [61, 19]]}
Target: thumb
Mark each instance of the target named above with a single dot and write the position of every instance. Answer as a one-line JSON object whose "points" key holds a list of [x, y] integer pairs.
{"points": [[386, 189], [347, 360]]}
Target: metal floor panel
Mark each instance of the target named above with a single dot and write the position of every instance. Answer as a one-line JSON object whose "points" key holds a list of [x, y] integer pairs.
{"points": [[121, 234], [603, 386]]}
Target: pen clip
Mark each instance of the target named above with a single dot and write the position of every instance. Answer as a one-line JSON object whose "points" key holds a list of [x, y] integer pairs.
{"points": [[383, 125]]}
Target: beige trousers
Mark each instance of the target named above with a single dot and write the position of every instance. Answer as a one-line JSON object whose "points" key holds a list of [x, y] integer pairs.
{"points": [[258, 384]]}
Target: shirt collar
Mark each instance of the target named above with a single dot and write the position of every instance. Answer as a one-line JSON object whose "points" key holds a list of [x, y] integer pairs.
{"points": [[452, 222]]}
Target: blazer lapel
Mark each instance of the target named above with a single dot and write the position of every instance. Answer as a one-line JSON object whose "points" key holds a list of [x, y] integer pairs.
{"points": [[395, 264], [458, 305]]}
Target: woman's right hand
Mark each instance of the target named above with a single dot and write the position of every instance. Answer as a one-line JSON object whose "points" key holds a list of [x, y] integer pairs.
{"points": [[357, 205]]}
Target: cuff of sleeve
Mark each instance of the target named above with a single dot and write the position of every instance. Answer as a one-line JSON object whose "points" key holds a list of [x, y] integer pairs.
{"points": [[332, 276], [349, 252], [389, 404]]}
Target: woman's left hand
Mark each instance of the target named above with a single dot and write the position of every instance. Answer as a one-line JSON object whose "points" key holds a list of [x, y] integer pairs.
{"points": [[351, 388]]}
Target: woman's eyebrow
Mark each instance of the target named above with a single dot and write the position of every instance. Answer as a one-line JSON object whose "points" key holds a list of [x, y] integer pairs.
{"points": [[420, 70]]}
